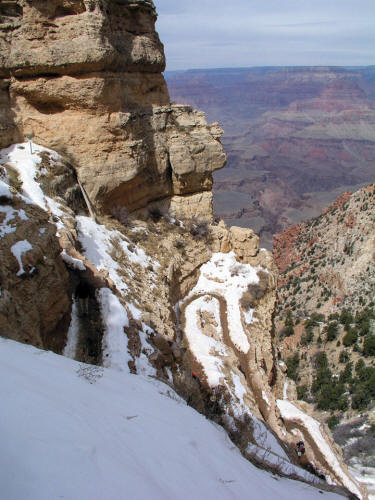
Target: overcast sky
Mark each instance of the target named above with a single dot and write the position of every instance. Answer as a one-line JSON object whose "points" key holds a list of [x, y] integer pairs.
{"points": [[230, 33]]}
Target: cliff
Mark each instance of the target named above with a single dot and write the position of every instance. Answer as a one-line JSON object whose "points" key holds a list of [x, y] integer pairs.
{"points": [[172, 293], [84, 78]]}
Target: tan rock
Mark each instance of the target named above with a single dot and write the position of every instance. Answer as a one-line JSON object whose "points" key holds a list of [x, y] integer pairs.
{"points": [[245, 242], [130, 147]]}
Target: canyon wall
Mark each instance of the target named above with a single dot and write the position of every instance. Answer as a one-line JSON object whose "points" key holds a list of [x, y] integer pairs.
{"points": [[183, 296], [84, 78]]}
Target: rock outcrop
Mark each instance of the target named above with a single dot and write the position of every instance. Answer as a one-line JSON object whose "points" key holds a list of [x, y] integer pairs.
{"points": [[31, 266], [84, 78]]}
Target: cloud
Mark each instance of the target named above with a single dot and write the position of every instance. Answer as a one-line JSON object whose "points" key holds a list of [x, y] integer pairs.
{"points": [[212, 33]]}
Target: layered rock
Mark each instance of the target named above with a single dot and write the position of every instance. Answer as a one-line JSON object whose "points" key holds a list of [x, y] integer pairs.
{"points": [[89, 85]]}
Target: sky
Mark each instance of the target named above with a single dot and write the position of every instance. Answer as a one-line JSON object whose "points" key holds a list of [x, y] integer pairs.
{"points": [[240, 33]]}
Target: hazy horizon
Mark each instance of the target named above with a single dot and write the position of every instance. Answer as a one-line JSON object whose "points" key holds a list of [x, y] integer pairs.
{"points": [[359, 66]]}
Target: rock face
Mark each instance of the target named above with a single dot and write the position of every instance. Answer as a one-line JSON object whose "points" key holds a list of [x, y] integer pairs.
{"points": [[89, 85], [31, 266]]}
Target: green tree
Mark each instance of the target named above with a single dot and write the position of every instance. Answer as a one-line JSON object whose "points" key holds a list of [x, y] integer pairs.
{"points": [[288, 324], [292, 364], [332, 331], [350, 337], [369, 345], [344, 356], [346, 375]]}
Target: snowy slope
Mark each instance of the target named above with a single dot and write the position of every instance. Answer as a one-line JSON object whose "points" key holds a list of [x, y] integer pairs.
{"points": [[81, 432]]}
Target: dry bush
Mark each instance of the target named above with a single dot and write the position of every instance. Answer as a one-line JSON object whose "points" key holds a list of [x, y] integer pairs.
{"points": [[198, 229], [179, 244], [155, 214], [121, 214], [255, 291]]}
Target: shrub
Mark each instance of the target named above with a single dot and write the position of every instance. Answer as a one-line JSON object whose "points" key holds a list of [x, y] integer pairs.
{"points": [[155, 214], [307, 337], [350, 338], [332, 331], [288, 325], [360, 399], [121, 214], [255, 291], [331, 397], [302, 392], [344, 356], [369, 345], [346, 374], [333, 421], [198, 229], [292, 364], [346, 318]]}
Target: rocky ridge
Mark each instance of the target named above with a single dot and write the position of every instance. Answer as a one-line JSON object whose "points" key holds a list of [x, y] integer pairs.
{"points": [[325, 305], [157, 269]]}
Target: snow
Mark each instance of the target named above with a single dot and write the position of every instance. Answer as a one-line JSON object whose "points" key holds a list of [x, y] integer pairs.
{"points": [[76, 431], [18, 249], [72, 336], [9, 213], [115, 341], [72, 262], [4, 190], [239, 388], [265, 397], [5, 227], [291, 412], [27, 165], [206, 349], [99, 242], [285, 390], [223, 275]]}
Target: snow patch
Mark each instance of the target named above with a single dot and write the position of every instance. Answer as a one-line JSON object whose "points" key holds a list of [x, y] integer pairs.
{"points": [[115, 341], [223, 275], [18, 249], [206, 349], [99, 243], [72, 262], [291, 412]]}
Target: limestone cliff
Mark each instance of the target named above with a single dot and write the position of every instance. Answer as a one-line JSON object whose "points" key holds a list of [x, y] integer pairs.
{"points": [[84, 78]]}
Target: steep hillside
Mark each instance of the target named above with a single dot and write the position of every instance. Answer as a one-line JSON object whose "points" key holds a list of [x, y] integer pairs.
{"points": [[326, 311], [93, 434]]}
